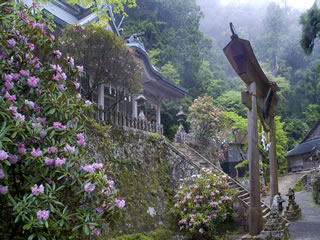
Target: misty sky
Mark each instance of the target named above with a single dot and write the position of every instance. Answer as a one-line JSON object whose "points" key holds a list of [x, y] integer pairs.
{"points": [[300, 4]]}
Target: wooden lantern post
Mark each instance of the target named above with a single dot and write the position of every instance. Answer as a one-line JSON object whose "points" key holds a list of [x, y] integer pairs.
{"points": [[260, 99]]}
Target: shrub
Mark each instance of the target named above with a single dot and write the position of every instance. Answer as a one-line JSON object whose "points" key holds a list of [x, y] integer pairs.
{"points": [[49, 188], [204, 205]]}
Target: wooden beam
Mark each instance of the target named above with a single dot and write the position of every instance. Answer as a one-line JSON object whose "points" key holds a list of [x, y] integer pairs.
{"points": [[255, 214], [246, 99]]}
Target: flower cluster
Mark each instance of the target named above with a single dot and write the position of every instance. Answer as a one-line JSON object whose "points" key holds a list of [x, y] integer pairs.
{"points": [[48, 182], [204, 204]]}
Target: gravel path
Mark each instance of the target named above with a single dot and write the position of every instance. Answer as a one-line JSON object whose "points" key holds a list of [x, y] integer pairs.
{"points": [[308, 227]]}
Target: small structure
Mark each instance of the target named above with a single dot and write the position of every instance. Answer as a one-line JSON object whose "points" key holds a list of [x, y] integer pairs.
{"points": [[275, 227], [293, 211], [307, 154]]}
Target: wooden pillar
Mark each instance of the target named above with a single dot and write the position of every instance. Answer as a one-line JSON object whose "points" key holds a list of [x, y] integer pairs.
{"points": [[273, 160], [101, 100], [255, 215], [158, 115], [134, 107]]}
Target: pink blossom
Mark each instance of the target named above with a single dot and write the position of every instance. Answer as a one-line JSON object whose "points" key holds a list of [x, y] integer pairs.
{"points": [[53, 150], [80, 68], [43, 133], [76, 84], [62, 87], [56, 67], [89, 187], [70, 61], [59, 125], [78, 96], [3, 155], [7, 77], [37, 189], [80, 141], [111, 184], [60, 161], [30, 104], [3, 189], [11, 42], [120, 203], [52, 37], [213, 203], [31, 46], [36, 152], [9, 85], [84, 36], [13, 159], [1, 174], [10, 98], [88, 168], [43, 214], [48, 161], [57, 54], [69, 149], [96, 232], [33, 81], [97, 165], [24, 73], [88, 103], [34, 4]]}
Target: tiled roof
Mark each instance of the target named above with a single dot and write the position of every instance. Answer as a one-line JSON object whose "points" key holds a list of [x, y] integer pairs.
{"points": [[305, 147]]}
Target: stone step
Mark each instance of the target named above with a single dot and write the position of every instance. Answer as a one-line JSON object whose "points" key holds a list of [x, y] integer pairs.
{"points": [[244, 195]]}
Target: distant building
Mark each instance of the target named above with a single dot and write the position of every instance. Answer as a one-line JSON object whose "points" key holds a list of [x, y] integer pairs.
{"points": [[307, 154]]}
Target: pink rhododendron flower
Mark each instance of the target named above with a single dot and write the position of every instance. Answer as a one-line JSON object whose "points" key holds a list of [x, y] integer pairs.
{"points": [[36, 152], [57, 54], [56, 67], [34, 4], [80, 141], [1, 174], [52, 37], [53, 150], [78, 96], [69, 149], [48, 161], [120, 203], [11, 42], [96, 232], [62, 87], [76, 84], [3, 155], [3, 189], [111, 184], [70, 61], [24, 73], [7, 77], [60, 162], [43, 214], [80, 68], [10, 98], [88, 103], [33, 81], [37, 189], [8, 85], [89, 187], [84, 36], [13, 159], [59, 125], [30, 104], [31, 46]]}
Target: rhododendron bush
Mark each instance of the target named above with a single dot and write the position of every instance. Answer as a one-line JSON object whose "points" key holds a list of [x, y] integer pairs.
{"points": [[204, 202], [49, 188]]}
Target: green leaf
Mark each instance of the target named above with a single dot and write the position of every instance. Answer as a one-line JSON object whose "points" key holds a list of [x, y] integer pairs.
{"points": [[85, 229], [27, 226], [31, 236]]}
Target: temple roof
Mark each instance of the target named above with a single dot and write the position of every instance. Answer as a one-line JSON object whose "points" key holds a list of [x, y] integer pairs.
{"points": [[156, 86]]}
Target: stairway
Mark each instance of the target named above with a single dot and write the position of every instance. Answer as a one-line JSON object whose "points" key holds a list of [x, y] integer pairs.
{"points": [[201, 162]]}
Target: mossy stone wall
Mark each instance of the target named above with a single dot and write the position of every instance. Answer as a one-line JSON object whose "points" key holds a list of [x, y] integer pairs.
{"points": [[146, 170]]}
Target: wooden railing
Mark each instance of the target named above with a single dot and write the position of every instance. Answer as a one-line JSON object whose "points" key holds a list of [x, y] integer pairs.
{"points": [[124, 120]]}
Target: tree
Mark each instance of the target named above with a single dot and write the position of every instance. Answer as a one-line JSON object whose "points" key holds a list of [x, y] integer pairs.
{"points": [[206, 119], [310, 28], [105, 58]]}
